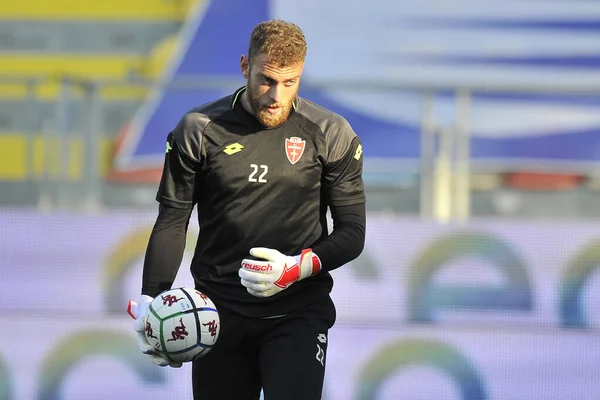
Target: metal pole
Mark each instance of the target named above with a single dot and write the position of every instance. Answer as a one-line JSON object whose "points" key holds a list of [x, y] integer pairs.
{"points": [[32, 126], [427, 155], [46, 194], [443, 177], [462, 205], [46, 197], [64, 142], [93, 132]]}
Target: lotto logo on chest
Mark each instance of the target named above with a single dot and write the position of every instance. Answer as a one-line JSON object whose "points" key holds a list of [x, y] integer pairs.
{"points": [[294, 148]]}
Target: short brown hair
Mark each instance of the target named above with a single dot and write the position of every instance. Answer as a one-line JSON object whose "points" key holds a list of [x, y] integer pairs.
{"points": [[283, 42]]}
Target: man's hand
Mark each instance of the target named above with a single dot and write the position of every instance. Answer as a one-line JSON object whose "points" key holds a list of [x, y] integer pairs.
{"points": [[138, 312], [278, 272]]}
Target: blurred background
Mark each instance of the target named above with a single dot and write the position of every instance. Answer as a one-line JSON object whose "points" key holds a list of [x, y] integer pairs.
{"points": [[480, 125]]}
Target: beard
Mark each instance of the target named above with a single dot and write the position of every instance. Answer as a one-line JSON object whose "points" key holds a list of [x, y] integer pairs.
{"points": [[261, 111]]}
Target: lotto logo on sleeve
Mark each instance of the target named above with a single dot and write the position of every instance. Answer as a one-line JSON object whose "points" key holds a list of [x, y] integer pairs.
{"points": [[233, 148], [358, 152]]}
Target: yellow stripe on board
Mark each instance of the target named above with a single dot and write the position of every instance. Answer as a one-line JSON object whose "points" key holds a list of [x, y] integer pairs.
{"points": [[80, 65], [13, 165], [23, 157], [136, 10], [51, 90]]}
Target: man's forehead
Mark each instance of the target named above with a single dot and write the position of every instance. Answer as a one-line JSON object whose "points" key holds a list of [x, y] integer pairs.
{"points": [[274, 69], [262, 63]]}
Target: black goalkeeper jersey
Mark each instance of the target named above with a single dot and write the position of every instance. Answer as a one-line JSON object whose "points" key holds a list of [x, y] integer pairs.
{"points": [[256, 186]]}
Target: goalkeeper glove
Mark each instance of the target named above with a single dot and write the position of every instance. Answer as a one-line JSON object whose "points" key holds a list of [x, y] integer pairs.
{"points": [[278, 272], [138, 311]]}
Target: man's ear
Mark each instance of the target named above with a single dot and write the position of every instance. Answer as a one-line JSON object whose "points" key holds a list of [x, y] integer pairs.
{"points": [[244, 66]]}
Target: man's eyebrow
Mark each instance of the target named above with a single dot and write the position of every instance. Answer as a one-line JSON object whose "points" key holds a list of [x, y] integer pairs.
{"points": [[275, 80]]}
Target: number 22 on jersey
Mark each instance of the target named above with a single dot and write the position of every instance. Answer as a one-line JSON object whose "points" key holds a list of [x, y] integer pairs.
{"points": [[258, 173]]}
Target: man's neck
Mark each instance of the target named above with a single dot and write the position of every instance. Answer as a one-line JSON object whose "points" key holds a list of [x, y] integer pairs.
{"points": [[246, 101]]}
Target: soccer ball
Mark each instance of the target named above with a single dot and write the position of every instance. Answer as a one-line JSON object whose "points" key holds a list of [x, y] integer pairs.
{"points": [[182, 324]]}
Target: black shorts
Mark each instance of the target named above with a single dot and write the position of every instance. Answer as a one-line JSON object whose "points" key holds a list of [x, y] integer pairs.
{"points": [[284, 356]]}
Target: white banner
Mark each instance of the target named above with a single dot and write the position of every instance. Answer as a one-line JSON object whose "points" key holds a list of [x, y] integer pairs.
{"points": [[468, 363], [497, 271], [485, 310], [56, 358]]}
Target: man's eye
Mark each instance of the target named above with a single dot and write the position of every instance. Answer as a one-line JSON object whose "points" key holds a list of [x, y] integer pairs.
{"points": [[290, 83]]}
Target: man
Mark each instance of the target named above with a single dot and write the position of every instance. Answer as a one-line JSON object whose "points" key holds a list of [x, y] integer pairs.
{"points": [[263, 165]]}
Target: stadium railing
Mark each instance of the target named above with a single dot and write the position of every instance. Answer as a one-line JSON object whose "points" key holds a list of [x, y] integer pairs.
{"points": [[59, 151]]}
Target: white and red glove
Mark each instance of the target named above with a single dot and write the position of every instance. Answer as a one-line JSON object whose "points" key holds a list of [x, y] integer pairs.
{"points": [[277, 272], [138, 312]]}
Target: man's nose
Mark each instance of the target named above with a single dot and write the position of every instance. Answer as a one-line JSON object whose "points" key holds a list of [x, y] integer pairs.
{"points": [[275, 93]]}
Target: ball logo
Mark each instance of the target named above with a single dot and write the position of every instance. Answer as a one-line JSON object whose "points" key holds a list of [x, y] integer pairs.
{"points": [[169, 300], [179, 333], [150, 331], [212, 327], [202, 296]]}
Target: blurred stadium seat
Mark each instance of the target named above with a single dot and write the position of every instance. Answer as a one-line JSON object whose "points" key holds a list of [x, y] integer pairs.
{"points": [[42, 42], [542, 181], [486, 182]]}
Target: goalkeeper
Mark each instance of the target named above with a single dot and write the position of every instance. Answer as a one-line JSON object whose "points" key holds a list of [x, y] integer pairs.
{"points": [[263, 166]]}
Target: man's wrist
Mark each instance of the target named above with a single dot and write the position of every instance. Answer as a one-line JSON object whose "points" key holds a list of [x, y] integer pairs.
{"points": [[309, 263]]}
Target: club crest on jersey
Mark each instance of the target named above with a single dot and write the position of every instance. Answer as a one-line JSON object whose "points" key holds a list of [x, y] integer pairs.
{"points": [[294, 148]]}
